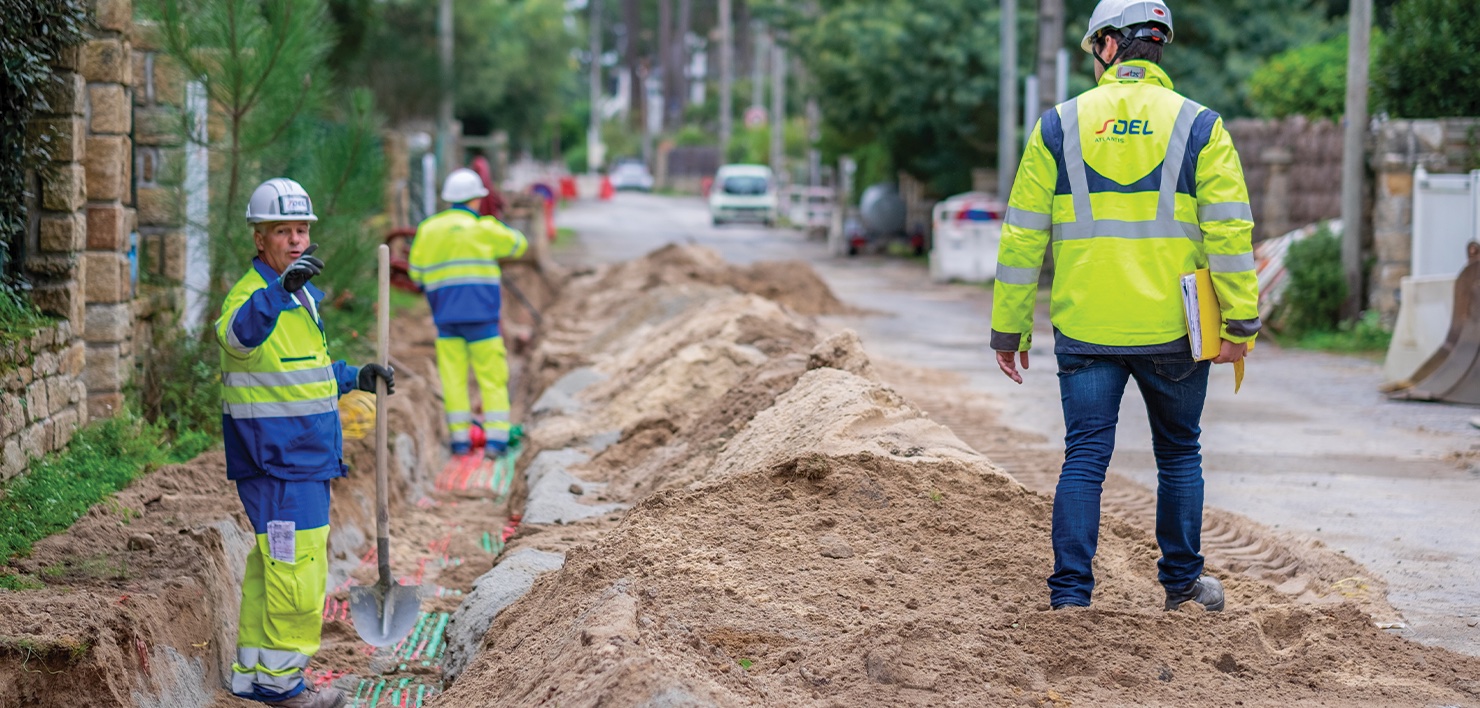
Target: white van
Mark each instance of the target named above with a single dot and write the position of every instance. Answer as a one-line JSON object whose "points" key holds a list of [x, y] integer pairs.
{"points": [[743, 193]]}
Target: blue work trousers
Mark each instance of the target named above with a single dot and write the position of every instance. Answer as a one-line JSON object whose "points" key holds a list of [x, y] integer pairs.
{"points": [[1091, 386]]}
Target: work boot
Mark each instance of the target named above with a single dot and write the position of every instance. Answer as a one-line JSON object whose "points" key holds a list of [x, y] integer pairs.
{"points": [[314, 698], [1207, 591]]}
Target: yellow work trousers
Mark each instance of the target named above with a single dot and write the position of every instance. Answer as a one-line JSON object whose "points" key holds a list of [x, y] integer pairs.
{"points": [[490, 365]]}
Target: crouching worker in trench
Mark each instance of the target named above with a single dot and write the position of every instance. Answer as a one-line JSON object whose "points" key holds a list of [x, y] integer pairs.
{"points": [[280, 399]]}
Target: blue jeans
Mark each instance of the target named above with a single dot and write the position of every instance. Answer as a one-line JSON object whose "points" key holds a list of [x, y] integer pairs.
{"points": [[1091, 387]]}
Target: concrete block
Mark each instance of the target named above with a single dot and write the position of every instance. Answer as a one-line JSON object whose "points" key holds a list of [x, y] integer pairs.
{"points": [[498, 588], [101, 406], [111, 110], [109, 323], [159, 206], [114, 15], [109, 167], [62, 139], [550, 499], [107, 277], [104, 370], [65, 93], [107, 60], [65, 233], [106, 229], [63, 187]]}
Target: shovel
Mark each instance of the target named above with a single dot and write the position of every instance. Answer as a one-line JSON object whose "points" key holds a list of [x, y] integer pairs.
{"points": [[385, 612]]}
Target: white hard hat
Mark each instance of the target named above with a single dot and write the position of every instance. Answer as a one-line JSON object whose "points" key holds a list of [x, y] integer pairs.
{"points": [[1119, 14], [279, 199], [463, 185]]}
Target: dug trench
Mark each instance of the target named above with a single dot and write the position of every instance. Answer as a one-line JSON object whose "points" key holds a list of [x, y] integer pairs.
{"points": [[719, 504]]}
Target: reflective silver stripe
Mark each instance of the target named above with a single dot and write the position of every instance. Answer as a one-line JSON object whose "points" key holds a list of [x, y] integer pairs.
{"points": [[276, 670], [1016, 276], [1225, 211], [242, 682], [1074, 163], [1126, 229], [469, 280], [1240, 263], [280, 409], [1031, 220], [496, 416], [271, 659], [1171, 167], [462, 436], [249, 379], [231, 339], [456, 263], [463, 417], [496, 435]]}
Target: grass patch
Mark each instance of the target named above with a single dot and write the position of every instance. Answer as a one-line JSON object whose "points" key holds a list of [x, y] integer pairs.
{"points": [[19, 581], [102, 459], [19, 319], [1365, 336]]}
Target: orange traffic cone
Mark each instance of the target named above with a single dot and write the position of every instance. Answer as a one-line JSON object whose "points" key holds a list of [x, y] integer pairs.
{"points": [[606, 188]]}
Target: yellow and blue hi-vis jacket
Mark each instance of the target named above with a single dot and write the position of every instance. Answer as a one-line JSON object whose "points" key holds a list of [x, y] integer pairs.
{"points": [[1134, 185], [279, 389], [454, 259]]}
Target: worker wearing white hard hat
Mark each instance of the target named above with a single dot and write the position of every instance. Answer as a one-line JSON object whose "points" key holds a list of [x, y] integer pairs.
{"points": [[279, 394], [1133, 186], [455, 261]]}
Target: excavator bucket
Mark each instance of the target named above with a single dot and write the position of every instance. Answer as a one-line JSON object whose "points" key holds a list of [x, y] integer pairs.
{"points": [[1452, 374]]}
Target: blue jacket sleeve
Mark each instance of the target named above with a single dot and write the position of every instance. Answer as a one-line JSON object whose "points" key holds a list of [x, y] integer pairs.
{"points": [[347, 376], [254, 321]]}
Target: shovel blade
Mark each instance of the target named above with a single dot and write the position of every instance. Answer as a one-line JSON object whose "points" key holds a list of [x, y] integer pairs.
{"points": [[383, 618]]}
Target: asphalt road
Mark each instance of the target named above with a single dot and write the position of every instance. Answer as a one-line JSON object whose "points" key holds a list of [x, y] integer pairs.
{"points": [[1308, 446]]}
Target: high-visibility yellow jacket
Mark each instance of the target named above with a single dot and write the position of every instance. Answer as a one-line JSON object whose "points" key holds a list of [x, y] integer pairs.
{"points": [[1135, 186], [454, 259], [279, 389]]}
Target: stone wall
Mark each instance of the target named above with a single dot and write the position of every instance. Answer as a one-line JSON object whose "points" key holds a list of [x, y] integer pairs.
{"points": [[41, 396], [1293, 170], [1398, 148]]}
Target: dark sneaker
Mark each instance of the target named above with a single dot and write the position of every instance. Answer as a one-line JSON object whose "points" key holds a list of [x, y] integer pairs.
{"points": [[1207, 591], [314, 698]]}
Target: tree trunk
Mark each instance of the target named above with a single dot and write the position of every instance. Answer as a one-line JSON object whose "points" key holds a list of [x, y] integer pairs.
{"points": [[632, 19], [665, 54], [680, 60]]}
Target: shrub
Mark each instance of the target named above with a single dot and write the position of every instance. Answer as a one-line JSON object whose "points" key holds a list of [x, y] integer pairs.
{"points": [[1430, 65], [1307, 81], [1317, 284]]}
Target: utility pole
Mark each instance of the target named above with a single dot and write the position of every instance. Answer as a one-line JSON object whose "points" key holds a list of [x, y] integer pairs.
{"points": [[1007, 102], [593, 131], [665, 56], [681, 62], [758, 66], [1050, 42], [778, 111], [444, 107], [1353, 160], [726, 77]]}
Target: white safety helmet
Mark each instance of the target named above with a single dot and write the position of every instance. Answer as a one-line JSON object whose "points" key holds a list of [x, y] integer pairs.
{"points": [[463, 185], [279, 199], [1119, 14]]}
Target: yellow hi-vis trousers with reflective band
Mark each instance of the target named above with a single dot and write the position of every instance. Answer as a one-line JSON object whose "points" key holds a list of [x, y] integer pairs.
{"points": [[284, 586], [490, 365]]}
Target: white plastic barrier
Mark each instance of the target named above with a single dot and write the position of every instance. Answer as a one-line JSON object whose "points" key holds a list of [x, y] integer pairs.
{"points": [[1423, 321], [968, 230], [1445, 211]]}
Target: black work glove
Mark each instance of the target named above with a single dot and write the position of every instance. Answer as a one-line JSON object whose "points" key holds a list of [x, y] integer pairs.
{"points": [[301, 270], [370, 372]]}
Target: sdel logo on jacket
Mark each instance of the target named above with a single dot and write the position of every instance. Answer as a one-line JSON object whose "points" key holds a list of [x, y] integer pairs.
{"points": [[1116, 126]]}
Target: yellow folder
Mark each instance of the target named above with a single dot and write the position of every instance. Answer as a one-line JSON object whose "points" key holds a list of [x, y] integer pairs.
{"points": [[1205, 320]]}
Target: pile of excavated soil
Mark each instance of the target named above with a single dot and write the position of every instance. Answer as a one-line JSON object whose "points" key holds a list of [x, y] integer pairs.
{"points": [[802, 534]]}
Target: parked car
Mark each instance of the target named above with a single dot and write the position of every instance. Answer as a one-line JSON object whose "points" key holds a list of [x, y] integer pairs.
{"points": [[743, 193], [631, 175]]}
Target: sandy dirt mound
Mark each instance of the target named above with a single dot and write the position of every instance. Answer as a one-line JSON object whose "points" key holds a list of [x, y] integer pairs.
{"points": [[844, 550]]}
